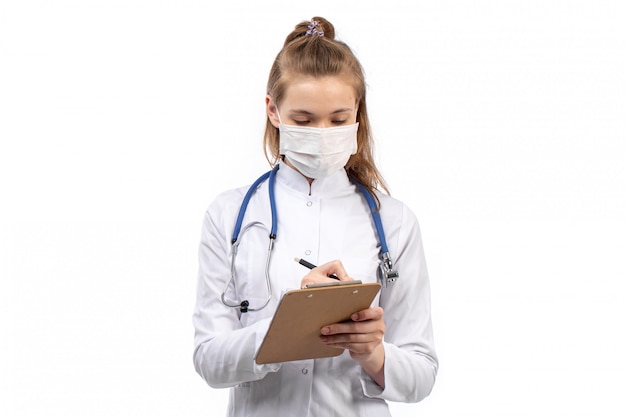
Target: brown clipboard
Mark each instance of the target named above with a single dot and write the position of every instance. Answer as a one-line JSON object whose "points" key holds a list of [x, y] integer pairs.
{"points": [[295, 330]]}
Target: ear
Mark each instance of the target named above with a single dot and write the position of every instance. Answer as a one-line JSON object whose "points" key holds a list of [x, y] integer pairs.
{"points": [[272, 111]]}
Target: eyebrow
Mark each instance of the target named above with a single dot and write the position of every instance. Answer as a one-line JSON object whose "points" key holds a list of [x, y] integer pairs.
{"points": [[308, 113]]}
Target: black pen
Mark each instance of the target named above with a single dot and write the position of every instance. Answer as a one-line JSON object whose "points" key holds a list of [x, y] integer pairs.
{"points": [[311, 266]]}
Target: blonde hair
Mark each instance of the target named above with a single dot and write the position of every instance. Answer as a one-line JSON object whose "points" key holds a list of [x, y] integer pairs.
{"points": [[317, 53]]}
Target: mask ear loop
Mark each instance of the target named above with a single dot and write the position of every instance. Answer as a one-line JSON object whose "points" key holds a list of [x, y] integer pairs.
{"points": [[280, 122]]}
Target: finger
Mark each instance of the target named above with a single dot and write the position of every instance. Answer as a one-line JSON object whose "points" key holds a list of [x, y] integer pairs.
{"points": [[315, 278], [352, 327], [372, 316], [334, 268], [347, 338], [342, 328], [358, 344], [372, 313]]}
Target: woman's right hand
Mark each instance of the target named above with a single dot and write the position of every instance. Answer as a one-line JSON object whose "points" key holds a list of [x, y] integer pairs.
{"points": [[321, 274]]}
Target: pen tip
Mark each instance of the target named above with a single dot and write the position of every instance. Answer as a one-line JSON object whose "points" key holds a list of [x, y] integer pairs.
{"points": [[296, 259]]}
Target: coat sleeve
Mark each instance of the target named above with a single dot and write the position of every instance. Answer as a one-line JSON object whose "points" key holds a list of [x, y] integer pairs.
{"points": [[224, 348], [410, 359]]}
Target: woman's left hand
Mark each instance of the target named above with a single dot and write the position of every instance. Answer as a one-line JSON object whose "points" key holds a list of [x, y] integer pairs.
{"points": [[363, 338]]}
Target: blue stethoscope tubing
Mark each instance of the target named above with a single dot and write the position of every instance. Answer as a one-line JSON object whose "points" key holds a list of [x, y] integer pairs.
{"points": [[386, 273], [246, 199]]}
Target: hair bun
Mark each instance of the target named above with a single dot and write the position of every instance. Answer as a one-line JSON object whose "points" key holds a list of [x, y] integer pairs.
{"points": [[316, 27]]}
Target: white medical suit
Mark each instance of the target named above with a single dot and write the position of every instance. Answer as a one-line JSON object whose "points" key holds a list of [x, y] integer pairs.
{"points": [[327, 220]]}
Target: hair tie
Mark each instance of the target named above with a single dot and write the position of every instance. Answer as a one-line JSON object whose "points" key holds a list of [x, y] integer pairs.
{"points": [[312, 31]]}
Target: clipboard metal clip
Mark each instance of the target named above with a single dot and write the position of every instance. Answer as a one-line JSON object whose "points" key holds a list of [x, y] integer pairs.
{"points": [[386, 273]]}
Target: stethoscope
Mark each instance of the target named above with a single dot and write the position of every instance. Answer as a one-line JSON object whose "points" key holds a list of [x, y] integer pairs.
{"points": [[385, 273]]}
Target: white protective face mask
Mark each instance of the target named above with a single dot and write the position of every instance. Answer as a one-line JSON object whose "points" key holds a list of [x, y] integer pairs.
{"points": [[317, 152]]}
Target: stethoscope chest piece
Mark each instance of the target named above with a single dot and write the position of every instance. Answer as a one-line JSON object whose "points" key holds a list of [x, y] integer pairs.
{"points": [[386, 273]]}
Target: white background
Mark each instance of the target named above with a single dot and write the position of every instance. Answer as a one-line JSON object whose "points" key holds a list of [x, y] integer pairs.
{"points": [[501, 123]]}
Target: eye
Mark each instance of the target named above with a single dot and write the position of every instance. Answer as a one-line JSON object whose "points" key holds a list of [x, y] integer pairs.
{"points": [[340, 122], [302, 122]]}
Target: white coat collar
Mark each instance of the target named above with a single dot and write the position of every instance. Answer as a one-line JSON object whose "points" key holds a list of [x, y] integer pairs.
{"points": [[333, 185]]}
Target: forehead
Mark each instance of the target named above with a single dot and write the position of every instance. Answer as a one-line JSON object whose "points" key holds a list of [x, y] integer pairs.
{"points": [[319, 94]]}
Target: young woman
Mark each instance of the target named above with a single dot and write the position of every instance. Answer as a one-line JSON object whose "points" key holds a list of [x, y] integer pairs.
{"points": [[314, 205]]}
